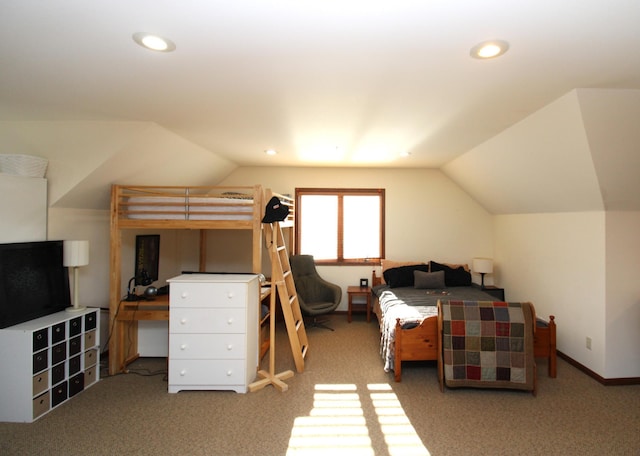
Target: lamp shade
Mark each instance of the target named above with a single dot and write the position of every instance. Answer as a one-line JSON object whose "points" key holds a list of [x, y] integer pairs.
{"points": [[75, 253], [482, 265]]}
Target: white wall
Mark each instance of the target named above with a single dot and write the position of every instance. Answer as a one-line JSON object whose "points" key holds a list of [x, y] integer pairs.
{"points": [[581, 267], [23, 208], [91, 225], [557, 261], [428, 217], [622, 354]]}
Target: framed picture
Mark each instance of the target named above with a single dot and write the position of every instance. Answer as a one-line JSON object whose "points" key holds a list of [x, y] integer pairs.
{"points": [[364, 282], [147, 257]]}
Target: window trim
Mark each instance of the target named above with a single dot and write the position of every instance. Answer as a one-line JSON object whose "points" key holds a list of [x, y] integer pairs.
{"points": [[341, 192]]}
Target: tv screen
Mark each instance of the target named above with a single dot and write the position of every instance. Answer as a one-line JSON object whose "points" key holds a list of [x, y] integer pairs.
{"points": [[33, 281]]}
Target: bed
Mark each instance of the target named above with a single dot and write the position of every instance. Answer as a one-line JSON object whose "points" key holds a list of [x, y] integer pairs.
{"points": [[407, 311], [203, 208], [486, 344]]}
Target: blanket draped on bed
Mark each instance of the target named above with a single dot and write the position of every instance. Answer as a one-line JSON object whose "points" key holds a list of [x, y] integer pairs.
{"points": [[488, 344]]}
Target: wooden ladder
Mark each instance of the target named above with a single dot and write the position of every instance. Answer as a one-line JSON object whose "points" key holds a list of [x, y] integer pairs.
{"points": [[282, 282]]}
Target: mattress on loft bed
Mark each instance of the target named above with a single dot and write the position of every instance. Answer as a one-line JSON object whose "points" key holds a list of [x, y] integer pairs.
{"points": [[189, 208]]}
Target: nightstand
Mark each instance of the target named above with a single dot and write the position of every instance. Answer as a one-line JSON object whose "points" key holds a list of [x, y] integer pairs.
{"points": [[494, 291], [362, 292]]}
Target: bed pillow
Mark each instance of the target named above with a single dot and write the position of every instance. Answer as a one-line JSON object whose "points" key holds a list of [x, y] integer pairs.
{"points": [[453, 277], [390, 264], [402, 276], [465, 266], [428, 279]]}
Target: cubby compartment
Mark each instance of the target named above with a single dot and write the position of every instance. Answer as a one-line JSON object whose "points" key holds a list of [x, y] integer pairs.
{"points": [[47, 361]]}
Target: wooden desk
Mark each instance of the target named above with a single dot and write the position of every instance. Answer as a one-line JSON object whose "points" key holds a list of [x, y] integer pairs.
{"points": [[157, 309], [364, 292], [125, 326]]}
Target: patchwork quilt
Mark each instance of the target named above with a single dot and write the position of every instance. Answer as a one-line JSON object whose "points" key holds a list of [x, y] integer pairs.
{"points": [[488, 344]]}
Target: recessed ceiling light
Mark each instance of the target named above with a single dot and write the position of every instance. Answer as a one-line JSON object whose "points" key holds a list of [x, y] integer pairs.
{"points": [[489, 49], [154, 42], [270, 152]]}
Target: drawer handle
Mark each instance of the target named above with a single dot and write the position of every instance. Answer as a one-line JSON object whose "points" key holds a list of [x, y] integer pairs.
{"points": [[183, 347], [183, 372], [183, 321], [230, 321], [184, 294], [230, 295], [229, 373], [229, 347]]}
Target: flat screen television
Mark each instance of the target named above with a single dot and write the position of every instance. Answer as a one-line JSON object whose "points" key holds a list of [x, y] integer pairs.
{"points": [[33, 281]]}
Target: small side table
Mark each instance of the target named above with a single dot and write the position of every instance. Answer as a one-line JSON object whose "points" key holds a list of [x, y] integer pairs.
{"points": [[494, 291], [364, 292]]}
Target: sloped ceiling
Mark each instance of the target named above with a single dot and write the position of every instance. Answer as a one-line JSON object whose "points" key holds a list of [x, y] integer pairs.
{"points": [[329, 83], [612, 125], [86, 158], [580, 153], [341, 84]]}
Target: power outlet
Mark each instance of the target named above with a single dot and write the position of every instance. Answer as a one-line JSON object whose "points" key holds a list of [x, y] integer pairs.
{"points": [[588, 343]]}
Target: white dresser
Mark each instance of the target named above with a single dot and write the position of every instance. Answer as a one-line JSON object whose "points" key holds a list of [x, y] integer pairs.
{"points": [[213, 331]]}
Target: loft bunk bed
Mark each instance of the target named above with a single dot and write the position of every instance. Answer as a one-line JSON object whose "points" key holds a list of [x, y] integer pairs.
{"points": [[203, 208]]}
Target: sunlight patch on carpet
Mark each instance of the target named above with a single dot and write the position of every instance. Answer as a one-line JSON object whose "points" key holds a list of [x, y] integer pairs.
{"points": [[337, 423]]}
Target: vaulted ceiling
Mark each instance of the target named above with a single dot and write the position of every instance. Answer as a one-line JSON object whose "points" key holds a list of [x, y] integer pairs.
{"points": [[325, 83]]}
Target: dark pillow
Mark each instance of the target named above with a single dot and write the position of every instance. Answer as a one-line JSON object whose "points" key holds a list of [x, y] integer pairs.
{"points": [[428, 279], [402, 276], [457, 277]]}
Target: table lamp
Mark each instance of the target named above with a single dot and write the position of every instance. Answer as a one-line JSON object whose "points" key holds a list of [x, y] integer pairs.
{"points": [[75, 254], [482, 266]]}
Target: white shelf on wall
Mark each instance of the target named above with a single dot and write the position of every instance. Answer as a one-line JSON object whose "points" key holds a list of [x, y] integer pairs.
{"points": [[23, 212]]}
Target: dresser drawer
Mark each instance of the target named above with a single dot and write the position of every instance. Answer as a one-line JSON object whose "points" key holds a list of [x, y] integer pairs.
{"points": [[207, 346], [208, 294], [206, 373], [199, 320]]}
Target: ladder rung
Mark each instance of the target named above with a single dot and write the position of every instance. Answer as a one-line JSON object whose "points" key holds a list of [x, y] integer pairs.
{"points": [[286, 274], [280, 248], [304, 350]]}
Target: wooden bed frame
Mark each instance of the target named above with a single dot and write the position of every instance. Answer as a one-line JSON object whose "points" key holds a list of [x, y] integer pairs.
{"points": [[201, 208], [421, 342]]}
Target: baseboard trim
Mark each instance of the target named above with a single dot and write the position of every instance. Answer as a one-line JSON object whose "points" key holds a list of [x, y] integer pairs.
{"points": [[598, 378]]}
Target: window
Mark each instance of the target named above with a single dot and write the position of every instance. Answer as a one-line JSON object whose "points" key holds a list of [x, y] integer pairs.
{"points": [[340, 226]]}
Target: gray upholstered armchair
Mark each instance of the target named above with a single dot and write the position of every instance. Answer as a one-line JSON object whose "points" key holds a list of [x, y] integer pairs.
{"points": [[315, 295]]}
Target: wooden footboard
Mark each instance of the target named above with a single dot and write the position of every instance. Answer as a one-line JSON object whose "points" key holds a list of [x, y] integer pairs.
{"points": [[415, 344], [544, 343]]}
